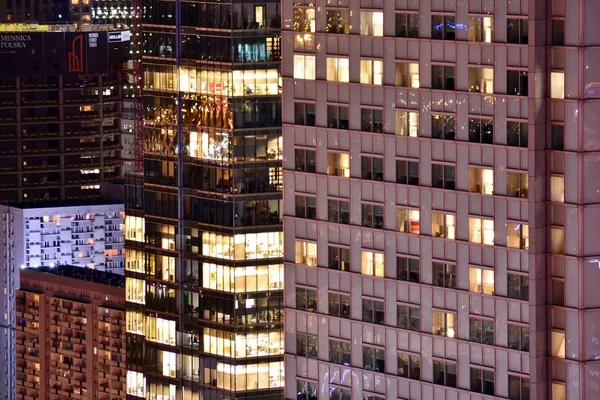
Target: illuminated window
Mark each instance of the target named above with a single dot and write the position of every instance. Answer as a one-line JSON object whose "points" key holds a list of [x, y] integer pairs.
{"points": [[481, 280], [135, 290], [481, 230], [444, 324], [242, 279], [559, 391], [443, 225], [481, 80], [247, 377], [169, 363], [134, 228], [136, 384], [304, 19], [371, 72], [517, 235], [134, 322], [481, 330], [481, 130], [557, 346], [338, 69], [304, 67], [481, 180], [160, 330], [481, 29], [408, 221], [518, 337], [306, 253], [557, 189], [407, 74], [338, 164], [134, 260], [517, 184], [407, 123], [372, 264], [557, 240], [557, 85], [371, 23], [243, 246]]}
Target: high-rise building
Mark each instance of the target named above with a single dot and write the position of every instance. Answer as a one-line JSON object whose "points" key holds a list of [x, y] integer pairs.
{"points": [[204, 271], [83, 235], [70, 328], [61, 102], [441, 189]]}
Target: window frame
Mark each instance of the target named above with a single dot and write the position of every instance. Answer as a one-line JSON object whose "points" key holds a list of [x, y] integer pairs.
{"points": [[448, 279], [406, 273], [410, 360], [446, 364], [377, 352], [445, 83], [478, 130], [371, 173], [406, 223], [306, 289], [483, 324], [407, 29], [342, 314], [307, 338], [410, 164], [375, 126], [413, 314], [377, 306], [447, 32], [448, 125], [306, 167], [340, 215], [447, 184]]}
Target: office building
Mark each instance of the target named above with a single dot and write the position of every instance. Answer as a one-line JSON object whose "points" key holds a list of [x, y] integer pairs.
{"points": [[61, 95], [82, 235], [70, 329], [204, 244], [441, 190]]}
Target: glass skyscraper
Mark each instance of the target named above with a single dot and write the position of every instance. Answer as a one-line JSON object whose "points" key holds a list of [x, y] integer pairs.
{"points": [[204, 280]]}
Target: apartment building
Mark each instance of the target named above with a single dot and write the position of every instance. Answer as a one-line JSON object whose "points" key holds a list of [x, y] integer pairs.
{"points": [[204, 272], [82, 235], [441, 199], [70, 335]]}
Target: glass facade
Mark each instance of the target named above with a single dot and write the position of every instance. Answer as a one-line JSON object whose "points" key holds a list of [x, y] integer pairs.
{"points": [[205, 302]]}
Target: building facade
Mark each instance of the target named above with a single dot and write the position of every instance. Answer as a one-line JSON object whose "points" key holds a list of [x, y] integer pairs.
{"points": [[61, 95], [70, 335], [441, 199], [204, 273], [90, 236]]}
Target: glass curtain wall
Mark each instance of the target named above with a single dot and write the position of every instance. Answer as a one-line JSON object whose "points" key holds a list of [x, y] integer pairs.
{"points": [[209, 323]]}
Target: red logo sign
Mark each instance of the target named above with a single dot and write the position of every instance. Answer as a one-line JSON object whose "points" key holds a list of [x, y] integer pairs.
{"points": [[76, 55]]}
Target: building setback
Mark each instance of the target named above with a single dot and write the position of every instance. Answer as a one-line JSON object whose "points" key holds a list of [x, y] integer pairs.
{"points": [[204, 245], [441, 199], [70, 331]]}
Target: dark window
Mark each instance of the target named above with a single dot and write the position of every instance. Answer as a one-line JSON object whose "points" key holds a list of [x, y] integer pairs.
{"points": [[337, 117], [443, 176], [557, 288], [518, 286], [339, 258], [339, 352], [409, 366], [481, 130], [304, 114], [518, 337], [306, 299], [443, 27], [372, 216], [516, 83], [481, 331], [482, 381], [408, 317], [371, 120], [442, 77], [516, 134], [444, 373], [443, 126], [557, 137], [373, 311], [444, 275], [339, 305], [407, 25], [338, 211], [306, 390], [407, 172], [337, 21], [306, 207], [558, 32], [305, 160], [407, 269], [518, 388], [373, 359], [371, 168], [306, 345], [516, 30]]}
